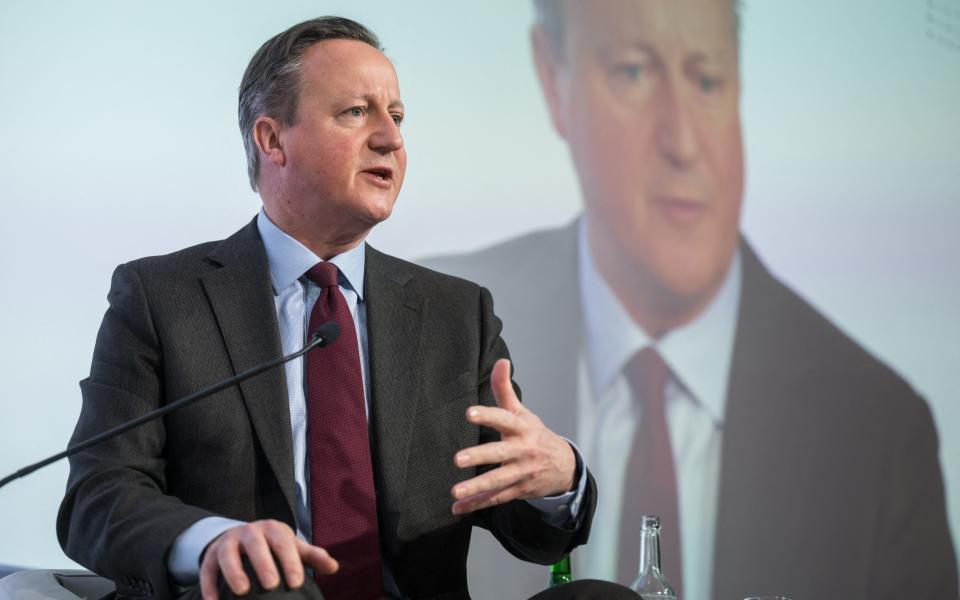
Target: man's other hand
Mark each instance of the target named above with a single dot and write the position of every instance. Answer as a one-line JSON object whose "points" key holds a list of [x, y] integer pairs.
{"points": [[260, 541], [534, 461]]}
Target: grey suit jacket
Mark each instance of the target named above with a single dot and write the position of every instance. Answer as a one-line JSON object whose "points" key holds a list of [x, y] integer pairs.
{"points": [[830, 480], [180, 322]]}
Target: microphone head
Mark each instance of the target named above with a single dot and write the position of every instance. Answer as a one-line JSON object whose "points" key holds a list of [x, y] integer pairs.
{"points": [[327, 333]]}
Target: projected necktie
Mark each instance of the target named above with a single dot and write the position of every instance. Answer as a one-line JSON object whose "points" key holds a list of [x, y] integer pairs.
{"points": [[650, 487], [343, 502]]}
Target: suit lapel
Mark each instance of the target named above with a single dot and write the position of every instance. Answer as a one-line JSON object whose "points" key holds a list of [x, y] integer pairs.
{"points": [[394, 318], [242, 299], [742, 397]]}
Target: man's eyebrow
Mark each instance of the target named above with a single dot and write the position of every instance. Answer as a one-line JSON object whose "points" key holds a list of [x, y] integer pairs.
{"points": [[616, 48], [353, 96], [373, 98], [700, 57]]}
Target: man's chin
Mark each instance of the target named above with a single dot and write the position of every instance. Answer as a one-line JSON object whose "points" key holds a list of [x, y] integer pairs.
{"points": [[375, 215], [690, 288]]}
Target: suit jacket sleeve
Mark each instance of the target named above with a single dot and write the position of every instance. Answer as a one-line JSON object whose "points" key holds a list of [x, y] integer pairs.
{"points": [[117, 518], [519, 527]]}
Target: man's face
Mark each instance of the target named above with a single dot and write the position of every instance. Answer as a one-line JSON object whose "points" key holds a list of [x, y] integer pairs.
{"points": [[345, 160], [647, 96]]}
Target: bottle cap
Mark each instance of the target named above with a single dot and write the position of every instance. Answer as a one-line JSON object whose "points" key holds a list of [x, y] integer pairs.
{"points": [[650, 522]]}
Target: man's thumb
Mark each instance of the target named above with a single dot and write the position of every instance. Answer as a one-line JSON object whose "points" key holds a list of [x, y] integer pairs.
{"points": [[503, 390]]}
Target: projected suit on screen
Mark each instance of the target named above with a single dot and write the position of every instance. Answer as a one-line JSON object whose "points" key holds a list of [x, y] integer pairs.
{"points": [[795, 462]]}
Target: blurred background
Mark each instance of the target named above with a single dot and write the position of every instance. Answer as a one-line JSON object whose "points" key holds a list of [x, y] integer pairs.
{"points": [[120, 140]]}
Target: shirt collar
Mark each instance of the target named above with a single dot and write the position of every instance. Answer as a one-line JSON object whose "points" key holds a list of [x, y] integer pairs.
{"points": [[699, 353], [289, 259]]}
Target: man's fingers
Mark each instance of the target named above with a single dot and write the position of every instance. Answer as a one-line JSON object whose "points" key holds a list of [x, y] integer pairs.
{"points": [[268, 545], [491, 481], [504, 421], [282, 543], [503, 390], [485, 454], [228, 555], [318, 558], [261, 558], [209, 572], [486, 500]]}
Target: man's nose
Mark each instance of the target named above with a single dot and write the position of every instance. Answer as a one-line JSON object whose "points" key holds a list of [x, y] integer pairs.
{"points": [[386, 136], [676, 132]]}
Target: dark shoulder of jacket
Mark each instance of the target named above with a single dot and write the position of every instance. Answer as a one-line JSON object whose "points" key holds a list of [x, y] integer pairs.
{"points": [[186, 259], [517, 258], [427, 281], [832, 353]]}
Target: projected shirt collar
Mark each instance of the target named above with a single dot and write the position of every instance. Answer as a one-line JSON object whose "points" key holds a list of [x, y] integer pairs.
{"points": [[699, 353]]}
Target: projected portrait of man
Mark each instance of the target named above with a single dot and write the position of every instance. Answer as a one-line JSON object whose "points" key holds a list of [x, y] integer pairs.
{"points": [[780, 456]]}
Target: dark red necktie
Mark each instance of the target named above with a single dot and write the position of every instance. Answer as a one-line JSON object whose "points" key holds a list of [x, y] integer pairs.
{"points": [[650, 487], [343, 501]]}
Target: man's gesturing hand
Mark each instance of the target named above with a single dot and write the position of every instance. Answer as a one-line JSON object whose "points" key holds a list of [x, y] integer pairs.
{"points": [[534, 461], [260, 541]]}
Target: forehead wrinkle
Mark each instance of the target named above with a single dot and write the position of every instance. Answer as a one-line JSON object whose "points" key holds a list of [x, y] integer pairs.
{"points": [[362, 82], [370, 94]]}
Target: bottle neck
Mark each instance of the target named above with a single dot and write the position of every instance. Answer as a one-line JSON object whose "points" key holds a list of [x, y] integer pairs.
{"points": [[560, 572], [650, 550], [650, 582], [562, 566]]}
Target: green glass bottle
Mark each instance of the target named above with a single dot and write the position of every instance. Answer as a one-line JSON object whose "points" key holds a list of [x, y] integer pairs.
{"points": [[560, 572]]}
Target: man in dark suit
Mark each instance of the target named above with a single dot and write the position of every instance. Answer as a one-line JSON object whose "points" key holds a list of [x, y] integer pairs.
{"points": [[799, 464], [357, 448]]}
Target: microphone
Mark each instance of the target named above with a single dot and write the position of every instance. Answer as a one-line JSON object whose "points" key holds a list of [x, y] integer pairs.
{"points": [[325, 334]]}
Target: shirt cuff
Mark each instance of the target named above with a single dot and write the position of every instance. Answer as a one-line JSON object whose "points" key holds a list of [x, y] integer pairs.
{"points": [[562, 510], [183, 562]]}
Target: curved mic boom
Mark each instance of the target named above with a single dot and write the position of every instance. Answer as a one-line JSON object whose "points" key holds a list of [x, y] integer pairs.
{"points": [[325, 334]]}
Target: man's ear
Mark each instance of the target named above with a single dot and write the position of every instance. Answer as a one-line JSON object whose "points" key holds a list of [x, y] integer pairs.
{"points": [[266, 134], [548, 65]]}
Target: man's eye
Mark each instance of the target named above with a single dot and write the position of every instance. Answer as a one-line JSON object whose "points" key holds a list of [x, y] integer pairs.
{"points": [[709, 83], [397, 118], [357, 111], [629, 71]]}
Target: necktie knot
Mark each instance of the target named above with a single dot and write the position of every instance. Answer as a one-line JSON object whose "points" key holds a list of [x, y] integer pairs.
{"points": [[647, 374], [323, 274]]}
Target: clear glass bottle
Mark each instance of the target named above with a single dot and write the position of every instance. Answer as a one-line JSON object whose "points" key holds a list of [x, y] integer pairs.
{"points": [[560, 572], [650, 582]]}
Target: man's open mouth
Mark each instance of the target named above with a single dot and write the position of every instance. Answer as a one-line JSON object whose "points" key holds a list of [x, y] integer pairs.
{"points": [[381, 173]]}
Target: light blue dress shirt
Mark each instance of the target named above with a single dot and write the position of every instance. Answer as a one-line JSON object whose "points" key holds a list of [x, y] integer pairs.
{"points": [[294, 296]]}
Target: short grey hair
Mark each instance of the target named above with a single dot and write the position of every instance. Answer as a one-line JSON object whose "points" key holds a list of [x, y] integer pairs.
{"points": [[273, 79], [550, 17]]}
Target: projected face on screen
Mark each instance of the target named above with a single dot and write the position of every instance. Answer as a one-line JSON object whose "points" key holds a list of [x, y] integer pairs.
{"points": [[646, 93]]}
